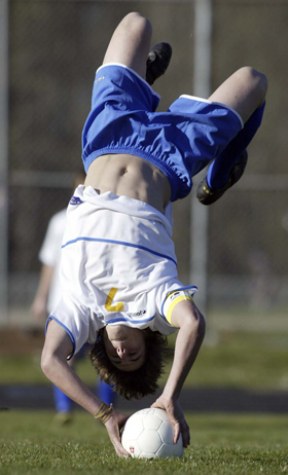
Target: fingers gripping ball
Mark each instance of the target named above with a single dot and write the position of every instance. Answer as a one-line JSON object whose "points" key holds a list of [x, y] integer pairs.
{"points": [[149, 434]]}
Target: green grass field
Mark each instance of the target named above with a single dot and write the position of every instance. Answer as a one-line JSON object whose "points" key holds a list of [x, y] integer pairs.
{"points": [[31, 443], [222, 444], [252, 360]]}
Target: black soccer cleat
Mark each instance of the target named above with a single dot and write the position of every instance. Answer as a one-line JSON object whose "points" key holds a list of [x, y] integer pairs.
{"points": [[158, 61], [207, 195]]}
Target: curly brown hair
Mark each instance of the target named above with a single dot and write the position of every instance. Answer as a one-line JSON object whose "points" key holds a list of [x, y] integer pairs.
{"points": [[142, 381]]}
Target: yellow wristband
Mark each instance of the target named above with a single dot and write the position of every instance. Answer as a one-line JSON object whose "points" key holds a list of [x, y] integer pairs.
{"points": [[104, 413]]}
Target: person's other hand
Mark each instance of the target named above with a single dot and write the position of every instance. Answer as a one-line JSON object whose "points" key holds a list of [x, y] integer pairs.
{"points": [[176, 417]]}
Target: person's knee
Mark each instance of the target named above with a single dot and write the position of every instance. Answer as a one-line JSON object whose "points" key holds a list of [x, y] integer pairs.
{"points": [[201, 325], [257, 79], [136, 24], [198, 322]]}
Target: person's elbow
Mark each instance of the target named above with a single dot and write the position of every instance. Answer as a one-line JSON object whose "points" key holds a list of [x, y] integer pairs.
{"points": [[56, 350], [195, 325], [199, 325], [48, 363]]}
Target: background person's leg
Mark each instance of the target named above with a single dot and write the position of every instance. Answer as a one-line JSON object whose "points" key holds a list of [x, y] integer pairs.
{"points": [[105, 392], [63, 406]]}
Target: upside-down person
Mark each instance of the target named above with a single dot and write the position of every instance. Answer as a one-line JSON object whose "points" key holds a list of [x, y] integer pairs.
{"points": [[120, 286]]}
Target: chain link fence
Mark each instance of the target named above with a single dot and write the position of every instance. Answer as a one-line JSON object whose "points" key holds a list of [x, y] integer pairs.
{"points": [[54, 49]]}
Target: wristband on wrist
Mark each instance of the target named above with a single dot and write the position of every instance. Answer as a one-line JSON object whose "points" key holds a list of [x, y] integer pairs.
{"points": [[104, 413]]}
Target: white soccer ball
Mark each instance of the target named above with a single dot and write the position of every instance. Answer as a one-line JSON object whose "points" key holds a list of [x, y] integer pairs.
{"points": [[149, 434]]}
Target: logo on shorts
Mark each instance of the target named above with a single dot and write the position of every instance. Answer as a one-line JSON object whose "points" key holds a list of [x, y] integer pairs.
{"points": [[100, 78]]}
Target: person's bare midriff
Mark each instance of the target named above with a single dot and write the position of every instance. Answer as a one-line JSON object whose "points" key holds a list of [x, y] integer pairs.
{"points": [[131, 176]]}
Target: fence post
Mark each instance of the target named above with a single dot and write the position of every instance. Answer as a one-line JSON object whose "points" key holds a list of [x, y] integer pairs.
{"points": [[3, 160], [199, 213]]}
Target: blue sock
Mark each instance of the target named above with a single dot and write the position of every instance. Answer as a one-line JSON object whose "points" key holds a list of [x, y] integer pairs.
{"points": [[219, 170], [105, 392], [62, 402]]}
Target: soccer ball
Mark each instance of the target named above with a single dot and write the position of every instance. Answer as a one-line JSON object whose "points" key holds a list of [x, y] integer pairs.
{"points": [[149, 434]]}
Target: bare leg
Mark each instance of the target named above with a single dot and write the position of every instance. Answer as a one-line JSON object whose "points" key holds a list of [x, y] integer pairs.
{"points": [[130, 43], [244, 91]]}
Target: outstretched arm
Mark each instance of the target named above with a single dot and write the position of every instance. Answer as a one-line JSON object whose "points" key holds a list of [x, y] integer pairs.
{"points": [[191, 324], [57, 348]]}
